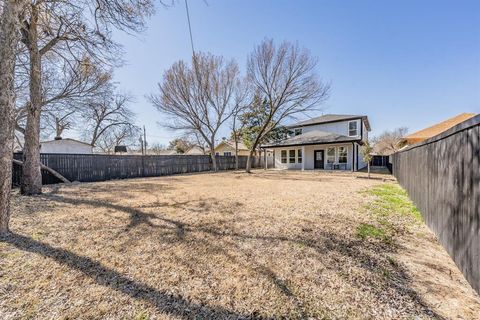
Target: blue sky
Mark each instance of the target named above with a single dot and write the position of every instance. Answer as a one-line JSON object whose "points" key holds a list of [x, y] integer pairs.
{"points": [[402, 63]]}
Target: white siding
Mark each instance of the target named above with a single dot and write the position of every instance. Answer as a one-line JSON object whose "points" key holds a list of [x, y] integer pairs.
{"points": [[340, 127], [308, 157], [65, 146], [365, 132], [361, 164]]}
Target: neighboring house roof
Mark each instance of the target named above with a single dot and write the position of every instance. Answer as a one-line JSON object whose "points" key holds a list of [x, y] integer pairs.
{"points": [[312, 137], [437, 128], [330, 118], [195, 150], [231, 143], [170, 152], [65, 139]]}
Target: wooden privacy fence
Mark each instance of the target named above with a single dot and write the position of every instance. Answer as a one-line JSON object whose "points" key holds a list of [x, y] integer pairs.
{"points": [[96, 167], [442, 177]]}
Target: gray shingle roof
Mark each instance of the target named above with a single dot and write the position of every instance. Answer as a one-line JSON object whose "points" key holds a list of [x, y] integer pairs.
{"points": [[312, 137], [330, 118]]}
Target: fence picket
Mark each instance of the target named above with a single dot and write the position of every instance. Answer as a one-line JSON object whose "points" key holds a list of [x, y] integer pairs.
{"points": [[442, 177], [97, 167]]}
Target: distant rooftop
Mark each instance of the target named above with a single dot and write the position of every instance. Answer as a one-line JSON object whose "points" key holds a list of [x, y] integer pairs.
{"points": [[437, 128], [64, 139], [331, 118]]}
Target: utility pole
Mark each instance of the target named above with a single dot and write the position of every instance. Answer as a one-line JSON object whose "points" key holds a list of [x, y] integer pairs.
{"points": [[145, 139], [141, 143]]}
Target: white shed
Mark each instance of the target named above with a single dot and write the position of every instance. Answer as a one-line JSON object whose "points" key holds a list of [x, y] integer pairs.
{"points": [[66, 145]]}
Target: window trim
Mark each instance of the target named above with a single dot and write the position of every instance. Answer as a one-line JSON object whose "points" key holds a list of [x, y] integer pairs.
{"points": [[356, 128], [346, 154], [282, 158], [334, 155], [299, 156], [290, 156]]}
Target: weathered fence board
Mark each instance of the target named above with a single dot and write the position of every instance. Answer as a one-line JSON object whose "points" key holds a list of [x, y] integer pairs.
{"points": [[95, 167], [442, 177]]}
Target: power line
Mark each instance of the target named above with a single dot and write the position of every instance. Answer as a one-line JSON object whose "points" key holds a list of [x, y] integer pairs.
{"points": [[189, 27]]}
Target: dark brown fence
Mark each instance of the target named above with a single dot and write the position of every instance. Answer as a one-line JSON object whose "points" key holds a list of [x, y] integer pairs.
{"points": [[95, 167], [442, 177]]}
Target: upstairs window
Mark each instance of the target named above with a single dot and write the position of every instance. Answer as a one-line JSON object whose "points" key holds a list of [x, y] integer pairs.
{"points": [[284, 156], [298, 132], [331, 155], [342, 154], [353, 128], [291, 156], [299, 156]]}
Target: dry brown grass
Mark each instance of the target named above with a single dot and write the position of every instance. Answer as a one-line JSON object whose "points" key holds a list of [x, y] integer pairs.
{"points": [[221, 246]]}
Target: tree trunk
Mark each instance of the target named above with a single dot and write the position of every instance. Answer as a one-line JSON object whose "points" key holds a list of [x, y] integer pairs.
{"points": [[368, 169], [236, 151], [53, 172], [249, 162], [213, 157], [32, 175], [9, 38], [58, 128]]}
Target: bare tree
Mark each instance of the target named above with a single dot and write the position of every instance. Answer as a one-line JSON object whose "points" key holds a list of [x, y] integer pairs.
{"points": [[157, 148], [367, 151], [180, 145], [67, 86], [10, 13], [285, 77], [107, 118], [59, 121], [123, 135], [237, 125], [196, 140], [389, 141], [69, 30], [199, 98]]}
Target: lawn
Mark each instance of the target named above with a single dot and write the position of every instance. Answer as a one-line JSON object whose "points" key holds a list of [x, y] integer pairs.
{"points": [[227, 246]]}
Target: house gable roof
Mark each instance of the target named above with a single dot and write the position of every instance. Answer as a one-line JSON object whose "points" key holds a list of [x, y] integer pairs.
{"points": [[438, 128], [327, 118], [231, 144], [66, 139], [194, 150], [312, 137]]}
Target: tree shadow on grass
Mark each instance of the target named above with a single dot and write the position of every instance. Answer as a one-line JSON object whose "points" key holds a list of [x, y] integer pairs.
{"points": [[372, 257], [161, 300], [335, 252]]}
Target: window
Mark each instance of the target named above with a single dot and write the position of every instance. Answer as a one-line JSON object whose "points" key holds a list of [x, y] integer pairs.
{"points": [[284, 156], [227, 154], [298, 132], [299, 156], [217, 154], [331, 155], [352, 128], [342, 154], [291, 156]]}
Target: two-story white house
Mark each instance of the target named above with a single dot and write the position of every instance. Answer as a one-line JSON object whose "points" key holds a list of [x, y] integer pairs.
{"points": [[328, 142]]}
